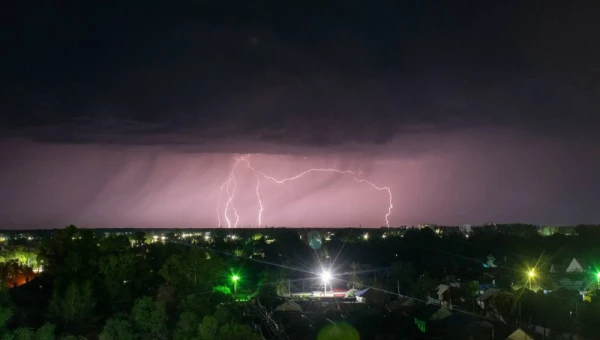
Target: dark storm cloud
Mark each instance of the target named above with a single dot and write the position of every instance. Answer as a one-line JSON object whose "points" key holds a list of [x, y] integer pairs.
{"points": [[336, 115], [299, 74], [126, 115]]}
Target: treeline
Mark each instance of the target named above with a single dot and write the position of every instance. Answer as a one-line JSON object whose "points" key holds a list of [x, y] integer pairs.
{"points": [[108, 288], [131, 287]]}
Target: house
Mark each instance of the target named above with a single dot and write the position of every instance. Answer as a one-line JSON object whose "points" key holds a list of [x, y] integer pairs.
{"points": [[569, 266], [576, 266], [452, 281], [373, 296], [258, 253], [483, 301], [484, 286], [361, 295], [576, 285], [533, 286], [429, 315], [445, 295], [572, 274], [519, 334]]}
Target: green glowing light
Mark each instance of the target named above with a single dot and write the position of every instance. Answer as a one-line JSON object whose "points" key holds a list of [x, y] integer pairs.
{"points": [[222, 289], [235, 278]]}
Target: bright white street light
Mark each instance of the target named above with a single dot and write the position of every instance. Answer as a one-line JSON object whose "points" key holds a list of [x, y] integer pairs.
{"points": [[325, 277]]}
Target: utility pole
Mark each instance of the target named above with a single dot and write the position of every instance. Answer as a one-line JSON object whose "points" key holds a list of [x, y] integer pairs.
{"points": [[354, 266], [398, 286]]}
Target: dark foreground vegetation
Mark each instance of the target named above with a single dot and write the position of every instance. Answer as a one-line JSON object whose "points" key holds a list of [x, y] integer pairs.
{"points": [[132, 284], [111, 288]]}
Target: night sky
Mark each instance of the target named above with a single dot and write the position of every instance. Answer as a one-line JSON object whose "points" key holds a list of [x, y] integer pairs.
{"points": [[128, 115]]}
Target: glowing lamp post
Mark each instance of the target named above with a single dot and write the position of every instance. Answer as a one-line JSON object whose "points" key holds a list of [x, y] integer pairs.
{"points": [[325, 277], [598, 278], [235, 279], [531, 275]]}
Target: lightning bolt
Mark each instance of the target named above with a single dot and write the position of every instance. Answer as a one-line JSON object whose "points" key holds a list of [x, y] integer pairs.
{"points": [[246, 160], [389, 192], [356, 175], [229, 186], [260, 211]]}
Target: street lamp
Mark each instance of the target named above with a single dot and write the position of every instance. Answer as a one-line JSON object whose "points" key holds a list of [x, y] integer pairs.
{"points": [[598, 277], [235, 279], [325, 277], [531, 275]]}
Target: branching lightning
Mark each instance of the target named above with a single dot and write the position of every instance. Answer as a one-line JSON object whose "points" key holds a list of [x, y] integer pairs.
{"points": [[257, 174], [229, 182], [229, 186], [260, 211]]}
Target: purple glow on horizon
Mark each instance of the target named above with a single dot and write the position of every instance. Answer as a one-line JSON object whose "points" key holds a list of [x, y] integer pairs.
{"points": [[461, 179]]}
